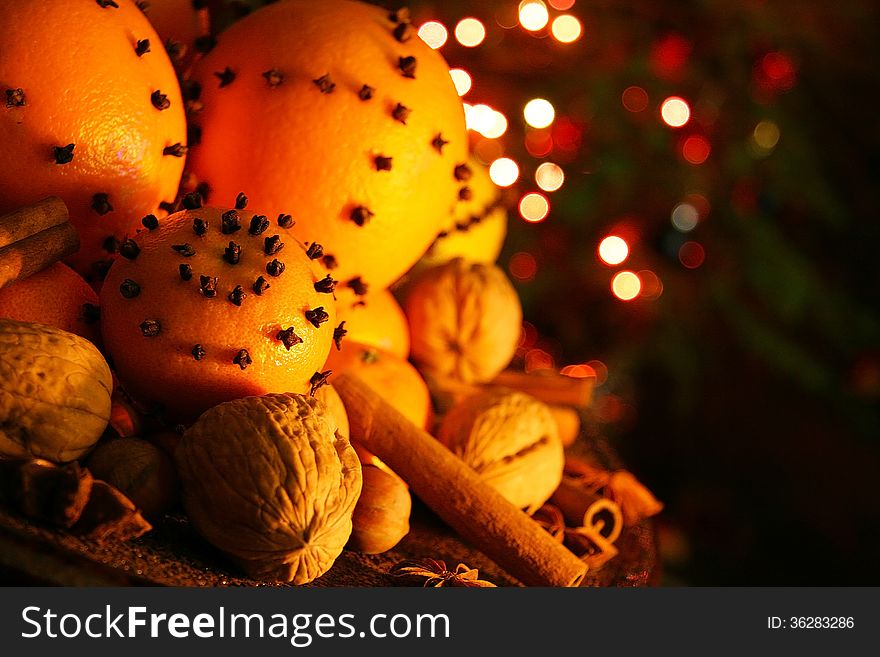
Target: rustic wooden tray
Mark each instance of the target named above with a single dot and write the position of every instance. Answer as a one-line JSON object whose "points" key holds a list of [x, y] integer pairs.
{"points": [[172, 554]]}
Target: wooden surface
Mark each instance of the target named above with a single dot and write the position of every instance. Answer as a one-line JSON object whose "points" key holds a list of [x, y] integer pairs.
{"points": [[173, 555]]}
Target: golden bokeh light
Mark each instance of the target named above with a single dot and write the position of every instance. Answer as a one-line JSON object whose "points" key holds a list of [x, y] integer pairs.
{"points": [[766, 135], [504, 172], [566, 28], [626, 285], [434, 34], [549, 176], [534, 207], [533, 15], [486, 121], [539, 113], [613, 250], [495, 126], [470, 32], [461, 79], [675, 112]]}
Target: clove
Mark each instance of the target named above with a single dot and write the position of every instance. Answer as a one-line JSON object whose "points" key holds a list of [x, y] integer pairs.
{"points": [[150, 222], [101, 203], [129, 289], [288, 338], [317, 316], [325, 84], [63, 154], [242, 359]]}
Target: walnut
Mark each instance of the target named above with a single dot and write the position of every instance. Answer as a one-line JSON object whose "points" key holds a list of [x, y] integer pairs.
{"points": [[465, 321], [334, 406], [270, 482], [510, 439]]}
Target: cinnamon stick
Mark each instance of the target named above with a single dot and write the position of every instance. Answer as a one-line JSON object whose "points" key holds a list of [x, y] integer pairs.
{"points": [[550, 388], [37, 252], [30, 220], [455, 492]]}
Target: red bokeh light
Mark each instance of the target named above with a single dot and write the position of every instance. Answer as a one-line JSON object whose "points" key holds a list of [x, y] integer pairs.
{"points": [[669, 56], [582, 371], [567, 135], [692, 254], [539, 142], [523, 266], [634, 99], [538, 359], [695, 149]]}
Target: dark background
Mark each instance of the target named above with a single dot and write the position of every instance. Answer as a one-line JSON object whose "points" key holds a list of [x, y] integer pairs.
{"points": [[746, 395]]}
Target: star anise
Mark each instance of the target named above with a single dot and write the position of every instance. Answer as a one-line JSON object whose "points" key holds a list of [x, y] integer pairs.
{"points": [[435, 574]]}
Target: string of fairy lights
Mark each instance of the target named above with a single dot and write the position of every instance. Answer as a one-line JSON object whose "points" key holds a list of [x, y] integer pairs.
{"points": [[554, 140]]}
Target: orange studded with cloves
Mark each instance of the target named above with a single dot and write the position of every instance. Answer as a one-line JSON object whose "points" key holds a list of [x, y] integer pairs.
{"points": [[90, 111], [357, 131], [217, 315]]}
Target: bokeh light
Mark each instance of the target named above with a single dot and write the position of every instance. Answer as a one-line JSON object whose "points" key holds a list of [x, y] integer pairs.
{"points": [[766, 135], [522, 266], [562, 5], [652, 286], [533, 15], [539, 113], [685, 217], [634, 99], [696, 149], [538, 359], [549, 176], [487, 150], [566, 28], [675, 112], [539, 143], [600, 369], [504, 172], [528, 336], [613, 250], [534, 207], [496, 127], [691, 254], [434, 34], [485, 120], [580, 371], [470, 32], [626, 285], [461, 79], [700, 204]]}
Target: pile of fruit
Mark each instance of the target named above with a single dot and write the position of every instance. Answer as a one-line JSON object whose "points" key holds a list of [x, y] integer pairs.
{"points": [[257, 215]]}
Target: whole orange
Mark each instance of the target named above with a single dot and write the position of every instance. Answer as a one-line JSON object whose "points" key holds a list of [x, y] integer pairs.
{"points": [[87, 114], [196, 312], [338, 113], [375, 320], [56, 296], [180, 24], [393, 378], [478, 226]]}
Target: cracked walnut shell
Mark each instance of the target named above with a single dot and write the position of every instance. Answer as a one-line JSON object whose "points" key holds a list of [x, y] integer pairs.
{"points": [[270, 482], [510, 439]]}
